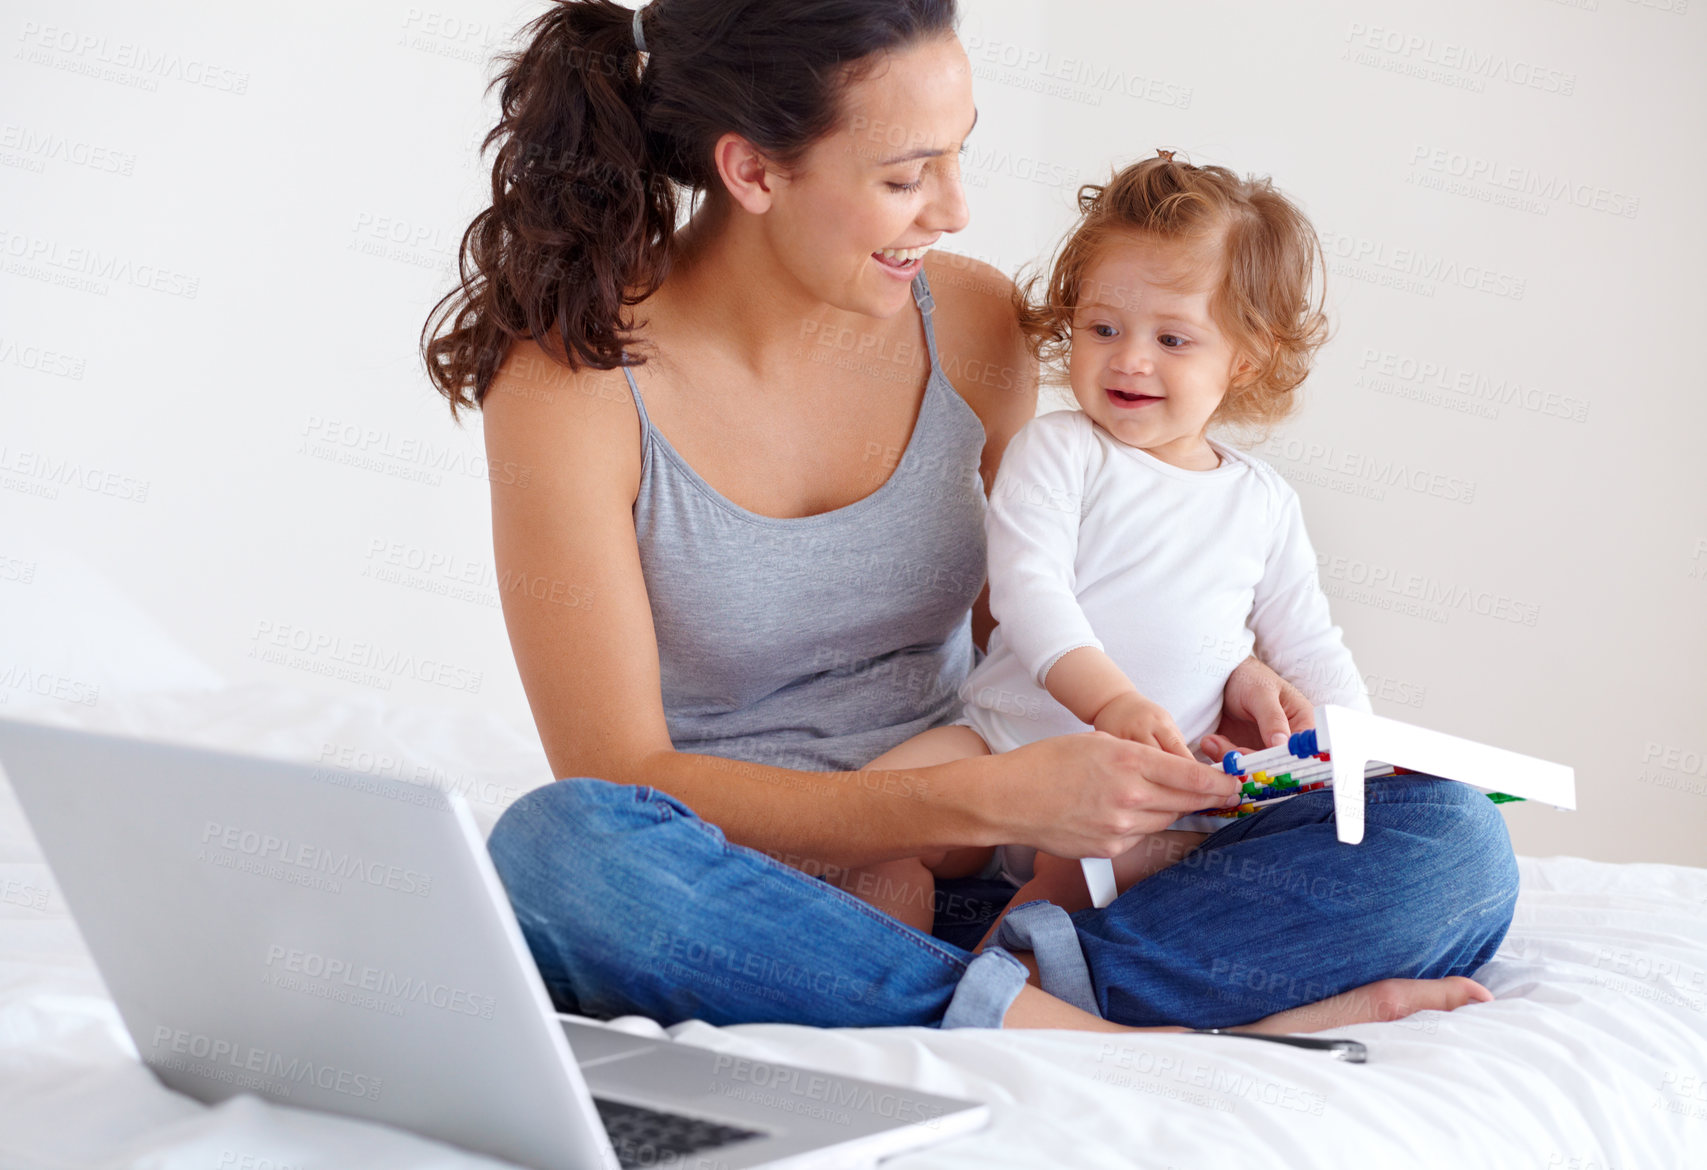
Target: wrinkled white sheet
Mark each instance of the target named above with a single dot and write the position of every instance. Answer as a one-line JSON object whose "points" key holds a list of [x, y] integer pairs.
{"points": [[1593, 1057]]}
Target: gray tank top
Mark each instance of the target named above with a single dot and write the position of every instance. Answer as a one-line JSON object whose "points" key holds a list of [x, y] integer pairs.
{"points": [[817, 642]]}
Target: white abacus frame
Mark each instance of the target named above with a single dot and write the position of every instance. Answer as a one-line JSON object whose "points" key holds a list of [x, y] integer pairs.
{"points": [[1354, 739]]}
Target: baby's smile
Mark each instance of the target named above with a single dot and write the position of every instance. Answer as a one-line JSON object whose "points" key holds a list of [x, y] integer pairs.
{"points": [[1125, 400]]}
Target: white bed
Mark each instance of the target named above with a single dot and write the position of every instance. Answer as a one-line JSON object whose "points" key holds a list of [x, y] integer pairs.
{"points": [[1593, 1056]]}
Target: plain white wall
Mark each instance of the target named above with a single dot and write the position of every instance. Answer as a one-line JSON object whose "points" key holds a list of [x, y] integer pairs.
{"points": [[222, 227]]}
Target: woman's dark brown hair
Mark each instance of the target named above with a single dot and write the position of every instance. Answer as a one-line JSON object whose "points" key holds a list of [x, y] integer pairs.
{"points": [[597, 148]]}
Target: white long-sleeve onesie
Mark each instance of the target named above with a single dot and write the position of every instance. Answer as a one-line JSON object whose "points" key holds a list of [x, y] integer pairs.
{"points": [[1177, 575]]}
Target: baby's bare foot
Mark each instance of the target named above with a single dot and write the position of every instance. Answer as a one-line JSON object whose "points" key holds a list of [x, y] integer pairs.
{"points": [[1385, 999]]}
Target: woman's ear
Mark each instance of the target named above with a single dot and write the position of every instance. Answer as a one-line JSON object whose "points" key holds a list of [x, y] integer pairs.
{"points": [[746, 173]]}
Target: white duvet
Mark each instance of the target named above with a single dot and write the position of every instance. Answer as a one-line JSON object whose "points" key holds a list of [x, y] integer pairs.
{"points": [[1592, 1057]]}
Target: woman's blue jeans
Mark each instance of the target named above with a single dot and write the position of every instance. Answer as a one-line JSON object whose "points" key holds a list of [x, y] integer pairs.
{"points": [[631, 904]]}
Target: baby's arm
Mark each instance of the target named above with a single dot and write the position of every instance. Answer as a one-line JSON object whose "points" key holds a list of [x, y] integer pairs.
{"points": [[1032, 534], [1295, 634], [1092, 686], [1031, 531]]}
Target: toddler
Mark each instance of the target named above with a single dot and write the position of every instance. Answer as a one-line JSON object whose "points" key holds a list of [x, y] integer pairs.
{"points": [[1134, 560]]}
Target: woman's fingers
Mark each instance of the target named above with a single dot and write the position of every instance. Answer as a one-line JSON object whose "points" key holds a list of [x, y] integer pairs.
{"points": [[1185, 779], [1095, 795]]}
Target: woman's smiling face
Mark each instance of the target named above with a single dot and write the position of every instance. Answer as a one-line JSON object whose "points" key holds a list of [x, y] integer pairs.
{"points": [[1147, 362], [851, 220]]}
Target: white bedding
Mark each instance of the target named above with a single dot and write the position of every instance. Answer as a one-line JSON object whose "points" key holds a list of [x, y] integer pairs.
{"points": [[1593, 1056]]}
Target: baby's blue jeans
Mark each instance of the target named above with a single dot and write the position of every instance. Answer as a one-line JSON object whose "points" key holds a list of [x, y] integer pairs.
{"points": [[631, 904]]}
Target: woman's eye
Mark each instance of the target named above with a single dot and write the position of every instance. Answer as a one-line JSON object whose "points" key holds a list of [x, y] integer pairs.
{"points": [[913, 186]]}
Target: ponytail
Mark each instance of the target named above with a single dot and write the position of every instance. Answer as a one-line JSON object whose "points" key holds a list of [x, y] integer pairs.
{"points": [[578, 225]]}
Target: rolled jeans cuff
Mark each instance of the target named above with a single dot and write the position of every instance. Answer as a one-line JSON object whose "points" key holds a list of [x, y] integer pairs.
{"points": [[988, 988], [1044, 929]]}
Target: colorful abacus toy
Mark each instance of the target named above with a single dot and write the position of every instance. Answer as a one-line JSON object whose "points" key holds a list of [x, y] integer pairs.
{"points": [[1295, 766], [1361, 740]]}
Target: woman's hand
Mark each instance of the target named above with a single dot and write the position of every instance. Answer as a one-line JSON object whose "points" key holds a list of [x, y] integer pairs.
{"points": [[1132, 716], [1095, 795], [1259, 709]]}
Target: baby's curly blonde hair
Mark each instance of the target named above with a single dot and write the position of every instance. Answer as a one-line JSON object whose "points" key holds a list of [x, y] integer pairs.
{"points": [[1260, 249]]}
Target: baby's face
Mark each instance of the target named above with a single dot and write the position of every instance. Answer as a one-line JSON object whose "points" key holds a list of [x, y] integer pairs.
{"points": [[1147, 363]]}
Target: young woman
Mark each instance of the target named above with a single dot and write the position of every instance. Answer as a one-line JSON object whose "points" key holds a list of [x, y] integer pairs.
{"points": [[748, 554]]}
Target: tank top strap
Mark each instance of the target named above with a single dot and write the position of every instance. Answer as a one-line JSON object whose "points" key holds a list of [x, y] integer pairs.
{"points": [[639, 403], [922, 296]]}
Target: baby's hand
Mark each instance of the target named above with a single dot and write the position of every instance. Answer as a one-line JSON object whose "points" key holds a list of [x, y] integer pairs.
{"points": [[1132, 716]]}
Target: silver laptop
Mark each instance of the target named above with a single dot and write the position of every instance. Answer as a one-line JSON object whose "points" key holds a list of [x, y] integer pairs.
{"points": [[341, 942]]}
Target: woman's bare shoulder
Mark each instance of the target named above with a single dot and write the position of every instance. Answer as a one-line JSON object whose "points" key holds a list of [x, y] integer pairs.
{"points": [[540, 413], [982, 349]]}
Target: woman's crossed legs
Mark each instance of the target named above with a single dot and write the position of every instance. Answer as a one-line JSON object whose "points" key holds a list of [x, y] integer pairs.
{"points": [[631, 903]]}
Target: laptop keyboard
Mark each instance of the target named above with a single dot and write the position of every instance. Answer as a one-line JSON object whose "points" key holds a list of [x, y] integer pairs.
{"points": [[648, 1137]]}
